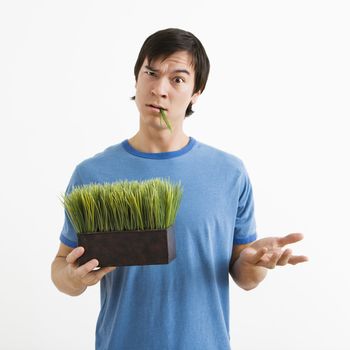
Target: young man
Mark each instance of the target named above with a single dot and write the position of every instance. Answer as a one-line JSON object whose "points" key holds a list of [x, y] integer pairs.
{"points": [[185, 304]]}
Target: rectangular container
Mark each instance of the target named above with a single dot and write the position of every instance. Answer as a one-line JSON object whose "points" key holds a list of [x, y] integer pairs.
{"points": [[128, 248]]}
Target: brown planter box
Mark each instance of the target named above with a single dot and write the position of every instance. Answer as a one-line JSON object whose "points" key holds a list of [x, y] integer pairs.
{"points": [[127, 248]]}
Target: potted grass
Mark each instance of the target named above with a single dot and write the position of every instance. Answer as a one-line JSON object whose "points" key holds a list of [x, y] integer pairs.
{"points": [[126, 222]]}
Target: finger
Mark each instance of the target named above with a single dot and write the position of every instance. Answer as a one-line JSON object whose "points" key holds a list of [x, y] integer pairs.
{"points": [[74, 255], [296, 259], [270, 260], [99, 274], [253, 256], [283, 260], [95, 276], [291, 238], [85, 269]]}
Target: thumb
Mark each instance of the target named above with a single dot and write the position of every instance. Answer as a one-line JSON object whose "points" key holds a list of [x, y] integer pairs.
{"points": [[253, 256], [72, 257]]}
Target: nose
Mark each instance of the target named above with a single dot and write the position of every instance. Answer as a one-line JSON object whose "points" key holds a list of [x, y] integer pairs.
{"points": [[160, 88]]}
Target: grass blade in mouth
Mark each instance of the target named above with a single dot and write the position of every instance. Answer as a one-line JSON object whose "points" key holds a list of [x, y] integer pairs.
{"points": [[165, 118]]}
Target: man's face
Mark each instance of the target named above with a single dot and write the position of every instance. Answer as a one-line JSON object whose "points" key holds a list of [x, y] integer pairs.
{"points": [[167, 84]]}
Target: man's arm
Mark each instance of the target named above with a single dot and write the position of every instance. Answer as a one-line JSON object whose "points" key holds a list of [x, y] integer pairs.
{"points": [[249, 263], [70, 278]]}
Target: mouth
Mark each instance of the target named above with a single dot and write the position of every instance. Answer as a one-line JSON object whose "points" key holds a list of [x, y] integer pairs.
{"points": [[156, 107]]}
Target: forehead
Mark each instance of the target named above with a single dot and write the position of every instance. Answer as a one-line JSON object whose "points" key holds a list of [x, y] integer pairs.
{"points": [[177, 60]]}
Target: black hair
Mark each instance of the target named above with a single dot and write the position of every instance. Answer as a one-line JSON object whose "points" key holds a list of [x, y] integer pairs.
{"points": [[166, 42]]}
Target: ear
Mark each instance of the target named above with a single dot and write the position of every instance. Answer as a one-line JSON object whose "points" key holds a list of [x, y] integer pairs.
{"points": [[195, 97]]}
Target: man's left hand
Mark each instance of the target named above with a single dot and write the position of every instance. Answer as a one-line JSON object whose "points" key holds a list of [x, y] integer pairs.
{"points": [[268, 252]]}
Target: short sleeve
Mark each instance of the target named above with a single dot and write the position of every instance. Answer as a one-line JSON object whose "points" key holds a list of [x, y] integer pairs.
{"points": [[245, 227], [68, 235]]}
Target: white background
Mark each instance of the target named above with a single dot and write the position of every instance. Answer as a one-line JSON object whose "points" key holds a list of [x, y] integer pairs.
{"points": [[277, 97]]}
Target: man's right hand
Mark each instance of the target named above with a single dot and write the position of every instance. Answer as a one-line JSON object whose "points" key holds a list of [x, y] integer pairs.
{"points": [[85, 275], [72, 279]]}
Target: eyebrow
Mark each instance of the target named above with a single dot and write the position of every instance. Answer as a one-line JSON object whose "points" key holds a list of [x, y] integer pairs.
{"points": [[174, 71]]}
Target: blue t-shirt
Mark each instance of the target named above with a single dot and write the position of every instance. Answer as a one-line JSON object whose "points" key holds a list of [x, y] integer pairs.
{"points": [[183, 305]]}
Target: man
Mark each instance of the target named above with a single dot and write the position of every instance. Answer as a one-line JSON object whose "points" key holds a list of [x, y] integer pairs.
{"points": [[184, 304]]}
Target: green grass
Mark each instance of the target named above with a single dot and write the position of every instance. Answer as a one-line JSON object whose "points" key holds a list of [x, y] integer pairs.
{"points": [[123, 205], [165, 118]]}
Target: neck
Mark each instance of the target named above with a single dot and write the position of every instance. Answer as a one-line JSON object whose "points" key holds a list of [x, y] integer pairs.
{"points": [[155, 142]]}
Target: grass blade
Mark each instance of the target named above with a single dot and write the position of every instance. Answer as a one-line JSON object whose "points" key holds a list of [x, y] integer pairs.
{"points": [[165, 118]]}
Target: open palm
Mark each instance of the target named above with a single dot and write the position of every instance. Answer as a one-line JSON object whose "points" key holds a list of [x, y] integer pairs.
{"points": [[269, 252]]}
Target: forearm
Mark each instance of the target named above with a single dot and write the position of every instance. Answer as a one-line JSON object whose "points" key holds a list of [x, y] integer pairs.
{"points": [[247, 276], [63, 280]]}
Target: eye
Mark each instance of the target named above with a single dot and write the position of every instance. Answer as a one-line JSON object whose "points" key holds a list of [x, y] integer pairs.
{"points": [[179, 80], [150, 73]]}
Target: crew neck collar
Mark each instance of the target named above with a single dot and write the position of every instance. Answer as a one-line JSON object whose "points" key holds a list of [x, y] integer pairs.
{"points": [[159, 155]]}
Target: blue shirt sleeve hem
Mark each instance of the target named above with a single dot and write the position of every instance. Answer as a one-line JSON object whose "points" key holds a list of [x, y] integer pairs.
{"points": [[68, 242], [245, 240]]}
